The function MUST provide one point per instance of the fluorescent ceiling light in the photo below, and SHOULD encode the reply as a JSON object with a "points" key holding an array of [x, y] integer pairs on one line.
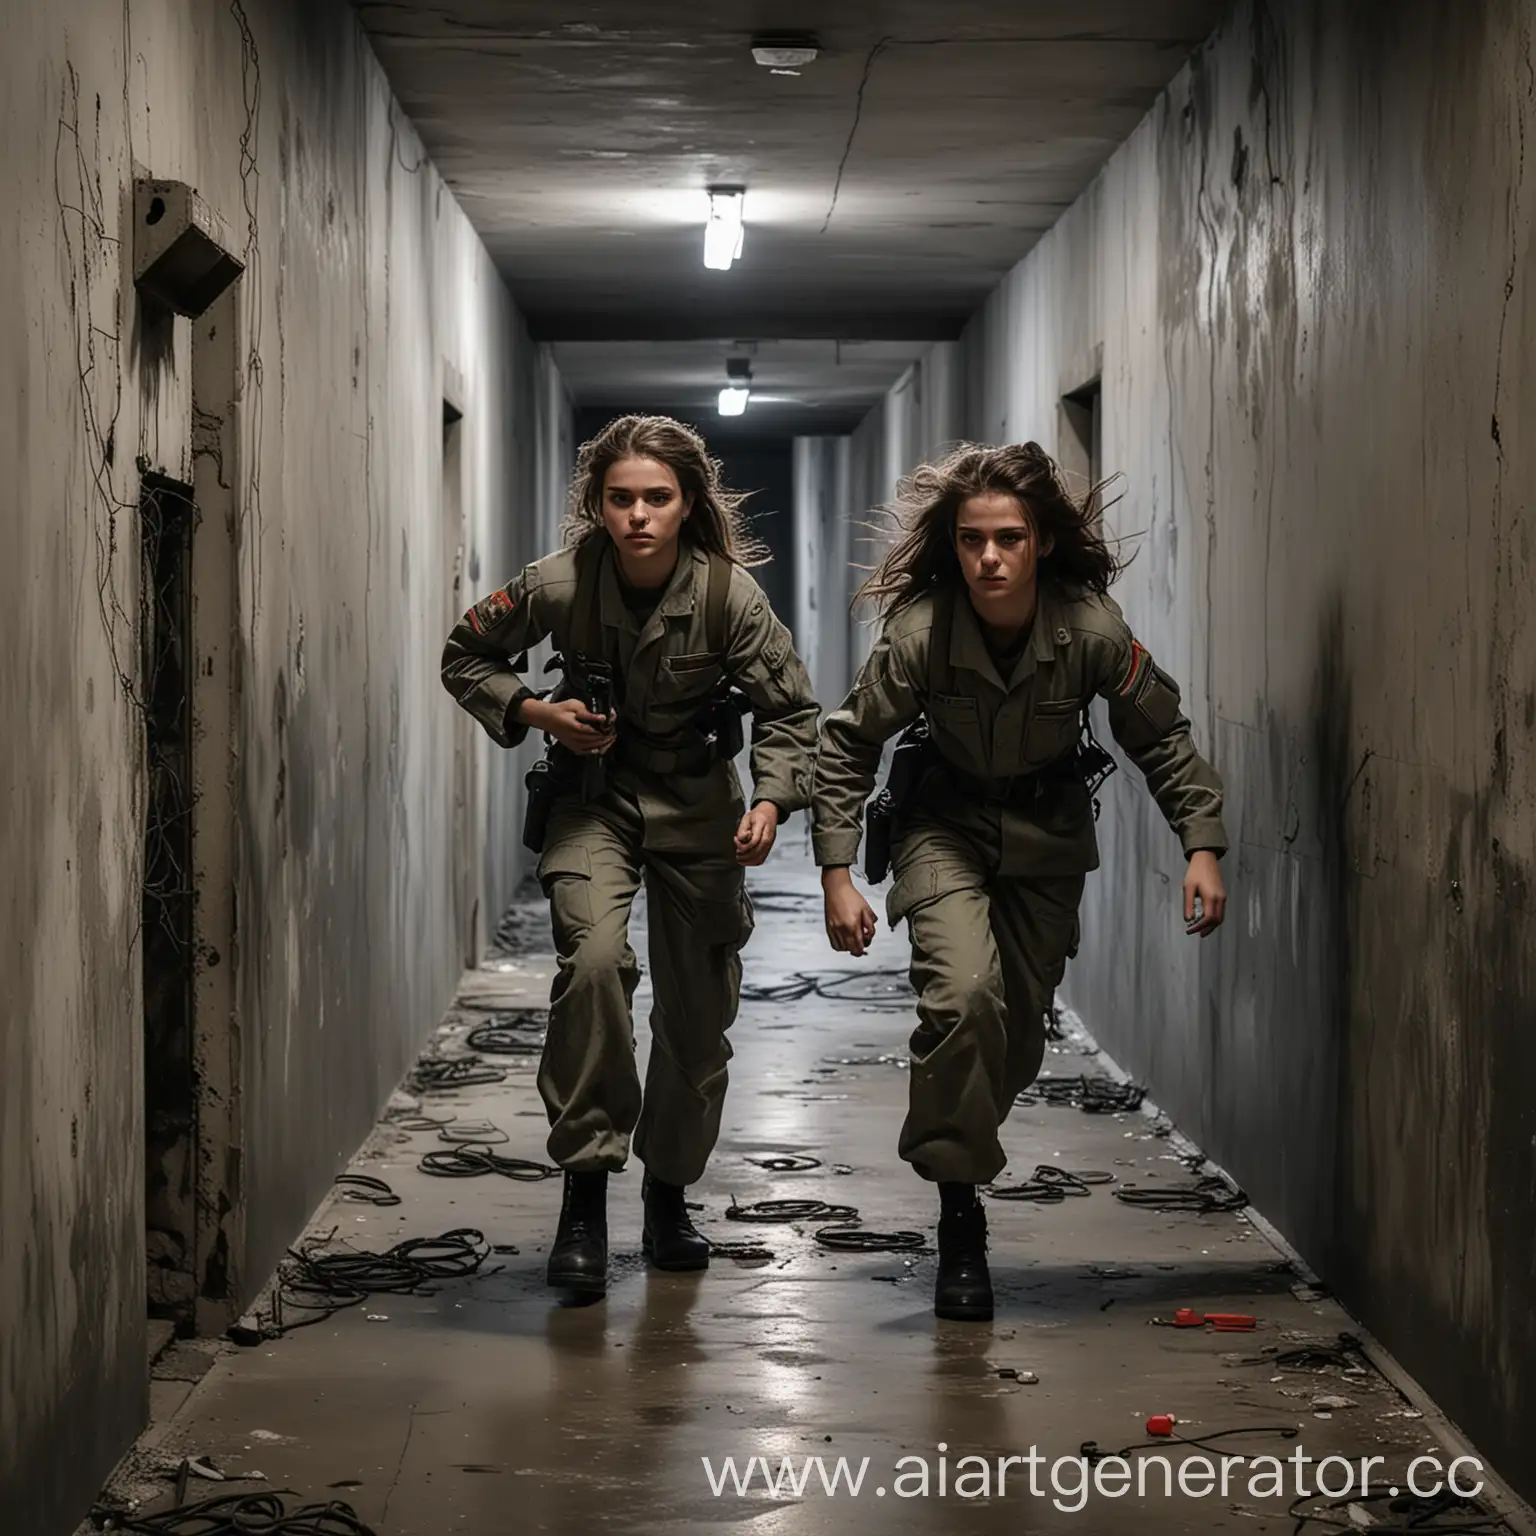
{"points": [[778, 51], [724, 232], [778, 59], [733, 401]]}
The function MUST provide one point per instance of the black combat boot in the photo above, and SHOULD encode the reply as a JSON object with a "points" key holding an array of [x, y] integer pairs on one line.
{"points": [[964, 1289], [670, 1238], [579, 1259]]}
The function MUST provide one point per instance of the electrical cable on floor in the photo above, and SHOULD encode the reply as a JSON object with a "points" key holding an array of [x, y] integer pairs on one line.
{"points": [[512, 1034], [1050, 1185], [1092, 1454], [1207, 1197], [481, 1132], [786, 1162], [790, 1210], [882, 989], [238, 1514], [1092, 1095], [411, 1121], [322, 1284], [1317, 1355], [1395, 1513], [469, 1162], [364, 1189], [437, 1073], [866, 1240]]}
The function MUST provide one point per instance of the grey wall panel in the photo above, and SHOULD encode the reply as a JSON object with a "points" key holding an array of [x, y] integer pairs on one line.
{"points": [[1306, 286], [365, 294]]}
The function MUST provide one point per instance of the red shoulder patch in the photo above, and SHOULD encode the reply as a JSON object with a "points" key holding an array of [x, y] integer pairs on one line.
{"points": [[491, 610], [1139, 660]]}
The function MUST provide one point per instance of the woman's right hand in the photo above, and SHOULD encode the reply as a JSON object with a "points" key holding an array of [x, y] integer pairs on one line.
{"points": [[572, 724], [851, 921]]}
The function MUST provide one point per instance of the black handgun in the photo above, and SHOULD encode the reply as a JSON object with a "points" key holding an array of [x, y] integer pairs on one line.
{"points": [[560, 771], [908, 760]]}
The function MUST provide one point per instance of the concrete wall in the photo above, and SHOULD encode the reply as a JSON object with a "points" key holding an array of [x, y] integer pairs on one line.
{"points": [[1306, 282], [367, 300], [838, 481]]}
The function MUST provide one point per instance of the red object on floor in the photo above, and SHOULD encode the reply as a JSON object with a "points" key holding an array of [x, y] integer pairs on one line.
{"points": [[1187, 1317], [1160, 1424], [1231, 1322]]}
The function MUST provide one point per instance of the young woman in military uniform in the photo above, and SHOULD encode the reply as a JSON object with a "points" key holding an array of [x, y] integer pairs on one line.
{"points": [[652, 583], [998, 630]]}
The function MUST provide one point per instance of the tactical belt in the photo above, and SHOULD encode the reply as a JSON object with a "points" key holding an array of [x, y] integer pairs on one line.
{"points": [[690, 762], [1017, 789]]}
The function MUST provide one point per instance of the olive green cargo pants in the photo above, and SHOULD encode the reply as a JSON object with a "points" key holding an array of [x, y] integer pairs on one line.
{"points": [[699, 917], [988, 953]]}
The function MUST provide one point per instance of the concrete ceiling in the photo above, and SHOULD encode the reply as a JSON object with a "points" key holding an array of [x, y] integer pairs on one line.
{"points": [[890, 184], [799, 387]]}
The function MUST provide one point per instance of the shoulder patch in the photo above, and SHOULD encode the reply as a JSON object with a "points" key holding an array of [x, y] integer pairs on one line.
{"points": [[1138, 665], [491, 610]]}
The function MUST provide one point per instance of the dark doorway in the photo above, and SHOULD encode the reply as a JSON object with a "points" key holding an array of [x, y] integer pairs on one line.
{"points": [[1082, 441], [167, 513], [466, 917]]}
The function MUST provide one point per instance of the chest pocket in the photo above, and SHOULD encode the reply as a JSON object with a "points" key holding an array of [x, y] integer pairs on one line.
{"points": [[956, 717], [1052, 730], [688, 679]]}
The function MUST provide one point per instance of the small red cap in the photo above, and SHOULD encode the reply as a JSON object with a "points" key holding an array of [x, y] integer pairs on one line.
{"points": [[1160, 1424], [1187, 1317]]}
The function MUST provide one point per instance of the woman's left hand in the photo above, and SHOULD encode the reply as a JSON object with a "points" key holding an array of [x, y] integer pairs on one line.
{"points": [[755, 835], [1202, 883]]}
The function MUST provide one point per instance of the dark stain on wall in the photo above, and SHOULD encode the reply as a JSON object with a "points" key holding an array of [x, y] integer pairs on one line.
{"points": [[1344, 231]]}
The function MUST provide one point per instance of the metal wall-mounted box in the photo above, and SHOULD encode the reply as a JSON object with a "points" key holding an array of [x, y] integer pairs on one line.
{"points": [[182, 253]]}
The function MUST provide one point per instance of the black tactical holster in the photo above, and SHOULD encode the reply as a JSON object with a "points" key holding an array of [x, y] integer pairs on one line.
{"points": [[1087, 764], [913, 753], [560, 771]]}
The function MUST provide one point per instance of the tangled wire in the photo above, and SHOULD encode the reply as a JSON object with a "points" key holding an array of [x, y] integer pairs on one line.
{"points": [[790, 1210], [866, 1240], [471, 1160], [440, 1074], [1050, 1185], [1347, 1354], [519, 1033], [237, 1514], [1206, 1197], [320, 1285], [364, 1189], [885, 989], [1092, 1095], [481, 1132]]}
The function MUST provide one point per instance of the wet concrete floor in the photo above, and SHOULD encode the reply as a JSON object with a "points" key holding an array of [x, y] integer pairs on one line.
{"points": [[487, 1406]]}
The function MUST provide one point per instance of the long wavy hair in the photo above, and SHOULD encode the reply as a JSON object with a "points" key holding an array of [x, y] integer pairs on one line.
{"points": [[716, 523], [923, 558]]}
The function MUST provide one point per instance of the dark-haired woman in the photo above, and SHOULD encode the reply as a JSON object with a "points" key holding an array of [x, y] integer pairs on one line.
{"points": [[651, 586], [998, 630]]}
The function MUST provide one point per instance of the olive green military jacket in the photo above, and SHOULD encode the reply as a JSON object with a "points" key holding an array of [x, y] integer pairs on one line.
{"points": [[993, 727], [664, 675]]}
